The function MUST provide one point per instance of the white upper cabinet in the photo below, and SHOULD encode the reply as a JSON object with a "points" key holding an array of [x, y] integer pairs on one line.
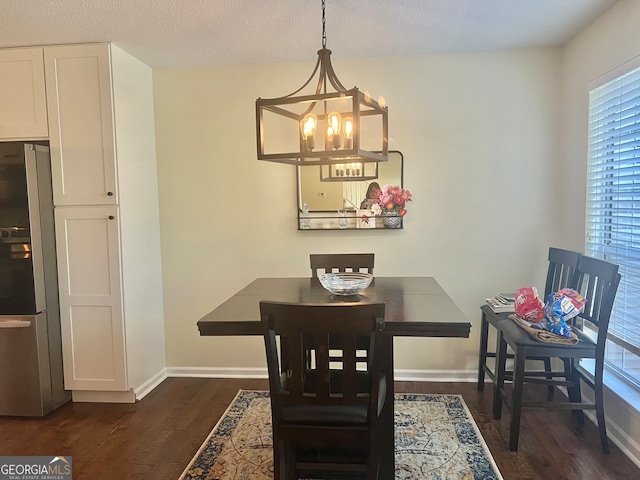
{"points": [[81, 124], [23, 108]]}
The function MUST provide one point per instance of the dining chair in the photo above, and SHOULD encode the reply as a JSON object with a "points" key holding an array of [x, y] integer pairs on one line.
{"points": [[341, 262], [561, 273], [325, 416], [597, 282]]}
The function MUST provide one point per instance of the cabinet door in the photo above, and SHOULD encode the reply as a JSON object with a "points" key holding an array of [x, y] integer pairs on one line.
{"points": [[90, 298], [78, 79], [23, 108]]}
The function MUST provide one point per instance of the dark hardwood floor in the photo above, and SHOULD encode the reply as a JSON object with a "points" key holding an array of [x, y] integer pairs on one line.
{"points": [[157, 437]]}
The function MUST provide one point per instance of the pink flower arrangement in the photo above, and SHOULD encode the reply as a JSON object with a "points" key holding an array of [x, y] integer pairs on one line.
{"points": [[391, 200]]}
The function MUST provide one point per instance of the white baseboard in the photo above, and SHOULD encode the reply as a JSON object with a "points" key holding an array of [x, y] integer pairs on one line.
{"points": [[615, 432], [217, 372], [412, 375], [142, 390], [96, 396], [129, 396], [400, 375], [621, 438]]}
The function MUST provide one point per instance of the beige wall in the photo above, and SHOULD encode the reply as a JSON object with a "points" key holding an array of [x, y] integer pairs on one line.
{"points": [[479, 133]]}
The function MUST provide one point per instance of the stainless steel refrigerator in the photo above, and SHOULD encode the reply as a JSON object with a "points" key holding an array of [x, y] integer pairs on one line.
{"points": [[31, 375]]}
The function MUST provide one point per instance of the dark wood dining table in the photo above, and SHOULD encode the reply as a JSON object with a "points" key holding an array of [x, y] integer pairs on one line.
{"points": [[415, 307]]}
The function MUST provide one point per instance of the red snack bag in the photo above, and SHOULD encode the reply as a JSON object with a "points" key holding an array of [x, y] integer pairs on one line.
{"points": [[528, 305]]}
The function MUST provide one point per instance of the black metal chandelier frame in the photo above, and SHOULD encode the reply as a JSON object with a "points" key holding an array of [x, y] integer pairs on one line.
{"points": [[364, 113]]}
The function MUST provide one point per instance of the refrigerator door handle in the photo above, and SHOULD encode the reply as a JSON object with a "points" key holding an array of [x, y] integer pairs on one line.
{"points": [[15, 323]]}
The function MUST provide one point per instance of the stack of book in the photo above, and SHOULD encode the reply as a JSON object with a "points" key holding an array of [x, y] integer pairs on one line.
{"points": [[503, 302]]}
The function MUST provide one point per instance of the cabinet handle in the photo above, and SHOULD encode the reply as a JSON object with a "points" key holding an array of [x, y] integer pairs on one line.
{"points": [[110, 194], [111, 217]]}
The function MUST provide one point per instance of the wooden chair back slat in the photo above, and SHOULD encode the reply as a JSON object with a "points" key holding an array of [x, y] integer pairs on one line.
{"points": [[341, 262], [349, 365], [597, 282], [321, 357], [562, 270], [296, 372]]}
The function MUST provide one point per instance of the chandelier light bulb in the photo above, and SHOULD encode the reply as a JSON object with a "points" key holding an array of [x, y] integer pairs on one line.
{"points": [[308, 128], [334, 120], [348, 133]]}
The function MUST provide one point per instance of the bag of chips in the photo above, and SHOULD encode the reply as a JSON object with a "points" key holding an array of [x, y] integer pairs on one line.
{"points": [[560, 307], [528, 305]]}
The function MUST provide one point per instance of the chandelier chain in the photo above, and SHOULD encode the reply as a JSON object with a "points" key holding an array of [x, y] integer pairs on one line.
{"points": [[324, 32]]}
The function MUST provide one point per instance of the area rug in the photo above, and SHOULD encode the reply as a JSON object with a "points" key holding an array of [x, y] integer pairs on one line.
{"points": [[435, 435]]}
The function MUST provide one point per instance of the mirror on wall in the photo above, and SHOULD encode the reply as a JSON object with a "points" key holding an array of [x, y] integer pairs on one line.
{"points": [[328, 201]]}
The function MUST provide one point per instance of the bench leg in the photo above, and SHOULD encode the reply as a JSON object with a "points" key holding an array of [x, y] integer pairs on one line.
{"points": [[501, 360], [482, 361], [516, 399]]}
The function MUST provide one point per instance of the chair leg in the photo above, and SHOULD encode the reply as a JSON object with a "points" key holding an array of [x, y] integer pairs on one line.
{"points": [[573, 390], [277, 460], [283, 461], [516, 398], [484, 340], [372, 469], [547, 368], [373, 456], [290, 464], [599, 400], [501, 360]]}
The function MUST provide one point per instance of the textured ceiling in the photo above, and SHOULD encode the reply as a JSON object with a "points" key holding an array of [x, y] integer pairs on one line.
{"points": [[165, 33]]}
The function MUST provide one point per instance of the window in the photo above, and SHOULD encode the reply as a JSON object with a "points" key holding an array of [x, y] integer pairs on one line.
{"points": [[613, 208]]}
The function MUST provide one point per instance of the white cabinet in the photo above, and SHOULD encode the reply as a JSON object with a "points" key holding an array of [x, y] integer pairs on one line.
{"points": [[79, 86], [23, 109], [90, 297], [100, 106], [94, 103]]}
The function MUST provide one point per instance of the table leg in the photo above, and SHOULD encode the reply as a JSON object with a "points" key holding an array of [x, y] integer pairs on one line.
{"points": [[387, 433]]}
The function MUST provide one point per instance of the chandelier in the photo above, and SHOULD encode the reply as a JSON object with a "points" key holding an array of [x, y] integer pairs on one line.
{"points": [[328, 125]]}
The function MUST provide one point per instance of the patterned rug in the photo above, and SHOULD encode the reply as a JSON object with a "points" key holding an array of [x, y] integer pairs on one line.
{"points": [[436, 439]]}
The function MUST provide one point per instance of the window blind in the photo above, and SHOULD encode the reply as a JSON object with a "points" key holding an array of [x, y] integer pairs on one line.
{"points": [[613, 206]]}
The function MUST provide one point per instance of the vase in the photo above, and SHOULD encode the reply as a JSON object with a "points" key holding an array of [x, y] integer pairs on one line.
{"points": [[391, 220], [305, 220]]}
